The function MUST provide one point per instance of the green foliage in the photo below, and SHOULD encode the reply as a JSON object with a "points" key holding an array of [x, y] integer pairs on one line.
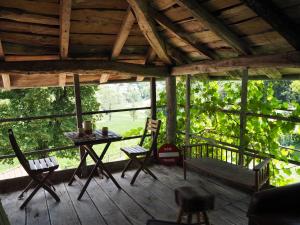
{"points": [[207, 119], [41, 134]]}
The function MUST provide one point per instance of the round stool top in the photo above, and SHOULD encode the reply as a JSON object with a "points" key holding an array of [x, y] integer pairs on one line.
{"points": [[192, 200]]}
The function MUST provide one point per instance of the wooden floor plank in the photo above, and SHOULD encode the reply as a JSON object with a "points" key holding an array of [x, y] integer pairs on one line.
{"points": [[85, 207], [104, 204], [11, 205], [176, 180], [149, 201], [37, 210], [110, 212], [156, 187], [63, 212], [223, 191], [125, 203]]}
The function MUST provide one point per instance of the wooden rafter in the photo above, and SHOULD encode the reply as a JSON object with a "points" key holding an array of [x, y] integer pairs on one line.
{"points": [[123, 34], [65, 22], [274, 16], [181, 34], [150, 56], [104, 78], [215, 25], [147, 26], [148, 61], [289, 60], [82, 67], [6, 81], [1, 51], [221, 30]]}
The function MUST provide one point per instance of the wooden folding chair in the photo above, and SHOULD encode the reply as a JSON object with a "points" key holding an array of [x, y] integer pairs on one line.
{"points": [[39, 170], [140, 154]]}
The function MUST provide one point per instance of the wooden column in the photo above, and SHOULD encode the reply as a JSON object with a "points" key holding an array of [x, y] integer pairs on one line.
{"points": [[187, 109], [171, 109], [79, 117], [243, 115], [153, 107]]}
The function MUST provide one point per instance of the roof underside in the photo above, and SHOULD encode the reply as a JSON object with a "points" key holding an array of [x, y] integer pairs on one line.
{"points": [[32, 30]]}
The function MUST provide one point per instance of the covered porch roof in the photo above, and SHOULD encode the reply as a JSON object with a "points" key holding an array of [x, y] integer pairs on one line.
{"points": [[119, 40]]}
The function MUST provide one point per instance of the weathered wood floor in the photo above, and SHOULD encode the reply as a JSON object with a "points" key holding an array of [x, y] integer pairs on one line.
{"points": [[105, 204]]}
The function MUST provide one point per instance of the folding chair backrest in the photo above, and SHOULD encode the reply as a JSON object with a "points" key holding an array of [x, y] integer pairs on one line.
{"points": [[152, 127], [22, 159]]}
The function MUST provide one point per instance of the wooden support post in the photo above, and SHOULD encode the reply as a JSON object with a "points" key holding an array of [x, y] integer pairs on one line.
{"points": [[79, 117], [187, 109], [243, 116], [153, 108], [171, 109]]}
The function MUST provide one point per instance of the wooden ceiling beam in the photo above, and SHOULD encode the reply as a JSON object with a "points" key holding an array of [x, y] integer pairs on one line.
{"points": [[215, 25], [289, 60], [123, 34], [6, 81], [65, 23], [83, 67], [183, 35], [24, 58], [148, 27], [279, 22]]}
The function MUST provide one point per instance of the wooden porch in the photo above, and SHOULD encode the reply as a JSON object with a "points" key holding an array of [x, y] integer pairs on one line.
{"points": [[105, 204]]}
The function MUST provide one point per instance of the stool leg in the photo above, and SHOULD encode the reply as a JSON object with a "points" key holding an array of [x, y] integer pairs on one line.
{"points": [[206, 220], [199, 218], [179, 217], [190, 216]]}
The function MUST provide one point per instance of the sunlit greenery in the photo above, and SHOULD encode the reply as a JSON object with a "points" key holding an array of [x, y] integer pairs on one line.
{"points": [[209, 100], [265, 135]]}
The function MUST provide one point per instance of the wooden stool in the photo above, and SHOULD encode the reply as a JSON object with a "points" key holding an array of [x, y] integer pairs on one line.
{"points": [[192, 202]]}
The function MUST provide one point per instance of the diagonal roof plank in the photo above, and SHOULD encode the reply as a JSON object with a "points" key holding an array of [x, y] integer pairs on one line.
{"points": [[65, 23], [147, 26], [151, 55], [216, 26], [279, 22], [185, 37], [123, 34], [181, 34]]}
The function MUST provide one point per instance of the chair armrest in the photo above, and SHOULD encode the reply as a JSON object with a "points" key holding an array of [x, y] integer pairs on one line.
{"points": [[282, 199], [262, 165]]}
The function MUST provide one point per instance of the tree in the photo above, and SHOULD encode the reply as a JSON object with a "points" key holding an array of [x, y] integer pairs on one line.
{"points": [[208, 98], [41, 134]]}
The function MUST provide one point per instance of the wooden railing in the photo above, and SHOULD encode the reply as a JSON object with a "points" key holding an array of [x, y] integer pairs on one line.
{"points": [[252, 161]]}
